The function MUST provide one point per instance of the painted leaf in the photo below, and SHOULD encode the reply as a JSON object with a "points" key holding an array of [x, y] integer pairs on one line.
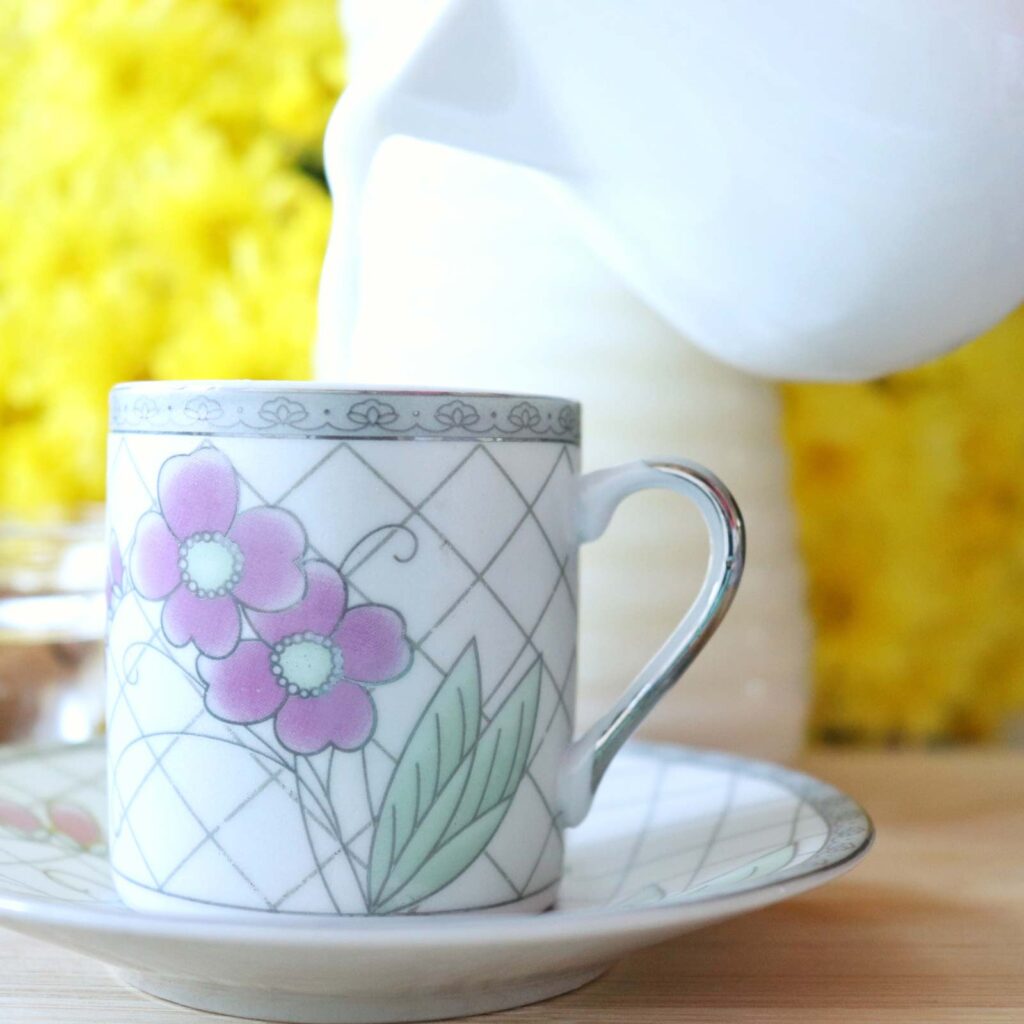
{"points": [[437, 748], [427, 837], [500, 756], [448, 861], [470, 807], [767, 864]]}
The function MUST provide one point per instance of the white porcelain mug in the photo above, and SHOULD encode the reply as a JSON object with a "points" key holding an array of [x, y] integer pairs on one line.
{"points": [[341, 654], [805, 189]]}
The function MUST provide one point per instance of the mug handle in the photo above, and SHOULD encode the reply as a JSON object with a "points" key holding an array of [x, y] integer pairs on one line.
{"points": [[600, 494]]}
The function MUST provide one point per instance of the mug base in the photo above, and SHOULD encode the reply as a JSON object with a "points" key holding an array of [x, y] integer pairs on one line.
{"points": [[146, 901]]}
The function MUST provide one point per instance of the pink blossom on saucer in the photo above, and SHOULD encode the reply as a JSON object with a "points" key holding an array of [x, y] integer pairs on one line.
{"points": [[76, 823], [18, 817]]}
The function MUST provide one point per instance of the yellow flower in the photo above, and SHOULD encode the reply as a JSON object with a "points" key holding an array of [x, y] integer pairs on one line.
{"points": [[910, 498], [157, 218]]}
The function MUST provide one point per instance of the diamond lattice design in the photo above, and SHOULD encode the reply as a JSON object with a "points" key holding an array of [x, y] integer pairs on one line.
{"points": [[476, 543]]}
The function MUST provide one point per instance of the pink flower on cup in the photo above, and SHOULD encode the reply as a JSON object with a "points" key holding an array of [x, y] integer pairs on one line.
{"points": [[311, 667], [204, 558]]}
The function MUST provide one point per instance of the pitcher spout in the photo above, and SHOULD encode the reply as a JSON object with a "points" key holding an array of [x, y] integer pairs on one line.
{"points": [[471, 85]]}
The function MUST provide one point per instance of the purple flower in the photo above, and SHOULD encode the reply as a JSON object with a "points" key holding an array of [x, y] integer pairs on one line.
{"points": [[206, 558], [310, 668]]}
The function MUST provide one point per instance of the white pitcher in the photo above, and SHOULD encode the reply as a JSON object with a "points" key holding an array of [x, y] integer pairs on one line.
{"points": [[473, 274], [806, 189]]}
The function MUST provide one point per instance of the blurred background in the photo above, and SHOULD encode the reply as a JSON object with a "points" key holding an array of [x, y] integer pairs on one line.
{"points": [[164, 214]]}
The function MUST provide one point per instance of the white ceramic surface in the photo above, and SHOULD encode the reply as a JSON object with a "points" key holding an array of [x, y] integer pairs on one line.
{"points": [[341, 655], [806, 189], [677, 839], [492, 286]]}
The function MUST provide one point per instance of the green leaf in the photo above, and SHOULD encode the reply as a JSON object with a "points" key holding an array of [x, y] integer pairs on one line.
{"points": [[500, 755], [448, 862], [426, 839], [437, 748], [767, 864], [468, 809]]}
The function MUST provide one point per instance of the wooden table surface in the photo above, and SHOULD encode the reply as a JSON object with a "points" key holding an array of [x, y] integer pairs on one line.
{"points": [[930, 928]]}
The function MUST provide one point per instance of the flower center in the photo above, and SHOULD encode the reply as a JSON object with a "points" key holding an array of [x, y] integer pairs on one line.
{"points": [[210, 564], [306, 664]]}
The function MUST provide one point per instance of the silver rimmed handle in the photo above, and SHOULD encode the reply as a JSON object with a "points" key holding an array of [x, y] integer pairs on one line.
{"points": [[601, 492]]}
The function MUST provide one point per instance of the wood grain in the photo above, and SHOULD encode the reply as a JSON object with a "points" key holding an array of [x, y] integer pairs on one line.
{"points": [[929, 928]]}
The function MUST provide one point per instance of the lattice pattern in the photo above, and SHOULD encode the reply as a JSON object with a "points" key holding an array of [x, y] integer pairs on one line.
{"points": [[479, 544]]}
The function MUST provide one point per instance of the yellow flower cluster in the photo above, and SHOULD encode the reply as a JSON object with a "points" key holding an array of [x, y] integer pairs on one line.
{"points": [[160, 216], [156, 219], [910, 495]]}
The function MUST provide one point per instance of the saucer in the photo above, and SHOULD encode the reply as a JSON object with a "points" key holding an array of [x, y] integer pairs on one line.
{"points": [[677, 839]]}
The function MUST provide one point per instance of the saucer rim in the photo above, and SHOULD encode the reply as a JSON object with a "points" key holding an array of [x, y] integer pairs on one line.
{"points": [[299, 929]]}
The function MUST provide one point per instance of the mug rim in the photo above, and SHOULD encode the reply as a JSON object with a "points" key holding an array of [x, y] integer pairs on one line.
{"points": [[307, 387], [344, 412]]}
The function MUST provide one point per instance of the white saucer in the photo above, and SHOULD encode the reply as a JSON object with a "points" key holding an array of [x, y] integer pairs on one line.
{"points": [[677, 839]]}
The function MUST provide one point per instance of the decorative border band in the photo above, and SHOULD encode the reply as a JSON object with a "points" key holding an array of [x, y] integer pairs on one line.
{"points": [[340, 413]]}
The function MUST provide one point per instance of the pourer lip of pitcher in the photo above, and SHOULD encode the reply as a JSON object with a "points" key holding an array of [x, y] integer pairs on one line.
{"points": [[321, 409]]}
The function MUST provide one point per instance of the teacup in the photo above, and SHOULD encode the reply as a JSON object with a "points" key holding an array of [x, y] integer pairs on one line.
{"points": [[342, 649]]}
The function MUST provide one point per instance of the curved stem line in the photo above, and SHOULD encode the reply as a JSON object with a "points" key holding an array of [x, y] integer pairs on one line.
{"points": [[325, 785], [392, 530], [312, 845]]}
